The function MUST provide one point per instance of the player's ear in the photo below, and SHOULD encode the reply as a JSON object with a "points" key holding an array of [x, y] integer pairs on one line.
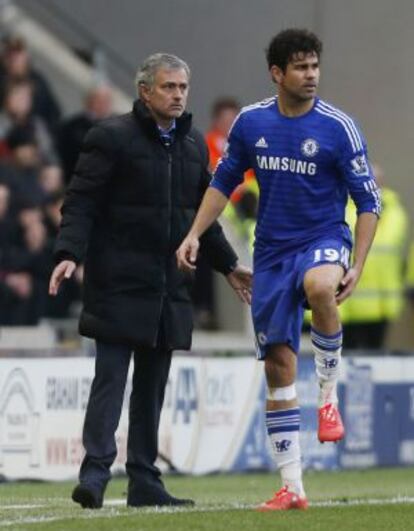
{"points": [[276, 73], [143, 92]]}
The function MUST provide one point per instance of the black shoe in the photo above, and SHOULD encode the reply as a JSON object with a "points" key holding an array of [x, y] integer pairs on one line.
{"points": [[159, 498], [87, 497]]}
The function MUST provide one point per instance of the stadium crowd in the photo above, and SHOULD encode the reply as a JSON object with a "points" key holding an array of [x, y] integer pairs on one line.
{"points": [[35, 162], [38, 152]]}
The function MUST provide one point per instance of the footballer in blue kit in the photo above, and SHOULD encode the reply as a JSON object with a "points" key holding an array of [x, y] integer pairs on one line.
{"points": [[308, 156], [305, 167]]}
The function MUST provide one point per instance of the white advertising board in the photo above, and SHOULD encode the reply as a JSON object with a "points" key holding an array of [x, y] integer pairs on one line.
{"points": [[42, 405], [207, 409]]}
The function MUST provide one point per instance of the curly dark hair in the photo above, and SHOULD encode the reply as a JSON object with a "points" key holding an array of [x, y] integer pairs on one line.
{"points": [[289, 42]]}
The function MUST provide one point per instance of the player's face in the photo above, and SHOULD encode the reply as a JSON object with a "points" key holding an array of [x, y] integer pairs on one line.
{"points": [[167, 96], [301, 78]]}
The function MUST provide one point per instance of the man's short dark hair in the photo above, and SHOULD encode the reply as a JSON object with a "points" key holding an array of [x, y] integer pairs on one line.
{"points": [[290, 42], [224, 103], [13, 43]]}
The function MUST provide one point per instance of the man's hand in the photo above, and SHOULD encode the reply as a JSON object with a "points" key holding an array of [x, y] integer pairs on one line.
{"points": [[348, 284], [187, 253], [241, 281], [63, 270]]}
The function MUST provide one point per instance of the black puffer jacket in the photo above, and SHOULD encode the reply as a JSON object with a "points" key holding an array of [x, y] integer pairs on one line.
{"points": [[129, 205]]}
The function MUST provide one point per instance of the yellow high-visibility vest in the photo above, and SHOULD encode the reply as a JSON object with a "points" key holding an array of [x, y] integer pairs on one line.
{"points": [[245, 227], [410, 269], [379, 293]]}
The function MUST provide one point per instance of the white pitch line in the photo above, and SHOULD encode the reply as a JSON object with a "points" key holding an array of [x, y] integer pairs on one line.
{"points": [[33, 520], [32, 506], [116, 503], [362, 501], [108, 503], [113, 513]]}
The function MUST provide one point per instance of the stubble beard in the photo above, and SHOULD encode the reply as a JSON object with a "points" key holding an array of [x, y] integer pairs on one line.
{"points": [[299, 97]]}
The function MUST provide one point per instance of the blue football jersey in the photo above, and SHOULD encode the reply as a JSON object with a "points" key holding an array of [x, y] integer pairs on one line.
{"points": [[305, 167]]}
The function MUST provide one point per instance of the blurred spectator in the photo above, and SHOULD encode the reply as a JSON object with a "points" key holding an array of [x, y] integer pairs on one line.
{"points": [[24, 149], [223, 114], [39, 250], [26, 261], [40, 261], [16, 296], [378, 298], [22, 172], [16, 282], [30, 214], [246, 211], [51, 179], [8, 224], [69, 294], [31, 194], [98, 105], [4, 201], [53, 215], [241, 210], [17, 111], [15, 66]]}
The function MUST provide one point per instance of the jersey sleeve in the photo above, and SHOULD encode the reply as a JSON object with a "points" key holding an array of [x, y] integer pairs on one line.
{"points": [[356, 170], [234, 162]]}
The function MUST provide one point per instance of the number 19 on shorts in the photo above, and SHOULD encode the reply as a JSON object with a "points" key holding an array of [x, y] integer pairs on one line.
{"points": [[333, 256]]}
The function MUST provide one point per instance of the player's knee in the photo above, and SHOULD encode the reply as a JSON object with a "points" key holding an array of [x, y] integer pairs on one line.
{"points": [[320, 292]]}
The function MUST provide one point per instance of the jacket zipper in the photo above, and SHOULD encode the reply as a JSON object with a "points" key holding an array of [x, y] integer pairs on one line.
{"points": [[169, 211], [169, 197]]}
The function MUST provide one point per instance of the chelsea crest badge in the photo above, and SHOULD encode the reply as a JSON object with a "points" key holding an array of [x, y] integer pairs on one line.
{"points": [[309, 147]]}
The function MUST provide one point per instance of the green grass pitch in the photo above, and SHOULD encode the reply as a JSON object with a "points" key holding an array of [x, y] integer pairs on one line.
{"points": [[365, 500]]}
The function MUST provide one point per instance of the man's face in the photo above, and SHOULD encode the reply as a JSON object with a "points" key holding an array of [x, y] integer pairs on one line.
{"points": [[167, 97], [301, 78], [224, 120], [100, 102], [51, 179]]}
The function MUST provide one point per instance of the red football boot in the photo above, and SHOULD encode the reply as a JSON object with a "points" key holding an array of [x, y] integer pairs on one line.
{"points": [[331, 428], [284, 500]]}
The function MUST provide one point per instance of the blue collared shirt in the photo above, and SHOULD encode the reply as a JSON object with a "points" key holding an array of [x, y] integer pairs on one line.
{"points": [[167, 135]]}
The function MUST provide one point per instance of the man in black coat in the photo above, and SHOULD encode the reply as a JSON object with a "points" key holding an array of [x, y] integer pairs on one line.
{"points": [[132, 199]]}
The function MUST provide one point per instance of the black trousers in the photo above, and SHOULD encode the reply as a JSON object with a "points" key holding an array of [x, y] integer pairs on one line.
{"points": [[151, 368]]}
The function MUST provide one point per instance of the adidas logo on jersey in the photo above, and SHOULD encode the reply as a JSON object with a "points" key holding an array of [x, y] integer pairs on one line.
{"points": [[262, 143]]}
